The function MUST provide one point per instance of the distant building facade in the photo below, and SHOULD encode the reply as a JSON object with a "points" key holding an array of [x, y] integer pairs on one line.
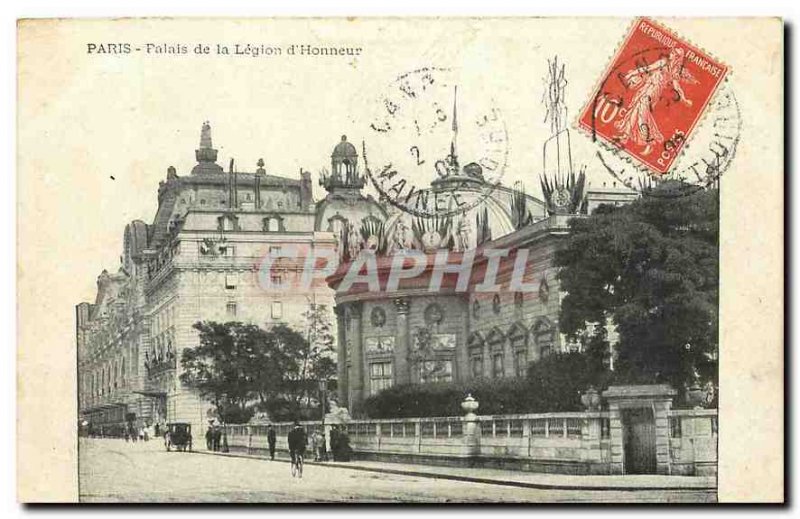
{"points": [[200, 259]]}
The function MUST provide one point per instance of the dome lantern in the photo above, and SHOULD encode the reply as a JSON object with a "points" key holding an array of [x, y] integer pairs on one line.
{"points": [[344, 167]]}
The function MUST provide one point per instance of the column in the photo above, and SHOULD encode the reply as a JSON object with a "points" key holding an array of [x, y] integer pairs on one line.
{"points": [[661, 409], [402, 374], [616, 441], [356, 376], [462, 368], [341, 356]]}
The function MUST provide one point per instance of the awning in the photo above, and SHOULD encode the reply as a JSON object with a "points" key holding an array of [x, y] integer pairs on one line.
{"points": [[152, 394], [104, 407]]}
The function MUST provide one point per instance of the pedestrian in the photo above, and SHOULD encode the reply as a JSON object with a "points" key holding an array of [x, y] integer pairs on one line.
{"points": [[312, 440], [217, 438], [271, 441], [344, 446], [209, 438], [323, 448], [319, 445], [335, 442]]}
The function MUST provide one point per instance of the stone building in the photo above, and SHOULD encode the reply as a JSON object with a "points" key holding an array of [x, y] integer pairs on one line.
{"points": [[201, 259], [411, 334]]}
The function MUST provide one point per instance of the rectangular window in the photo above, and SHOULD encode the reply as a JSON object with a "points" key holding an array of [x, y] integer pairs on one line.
{"points": [[521, 362], [380, 376], [276, 279], [230, 309], [277, 310], [274, 250], [228, 251], [497, 365], [231, 280]]}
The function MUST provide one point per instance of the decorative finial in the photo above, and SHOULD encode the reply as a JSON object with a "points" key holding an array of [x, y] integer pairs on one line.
{"points": [[344, 138], [454, 142], [260, 165], [205, 136]]}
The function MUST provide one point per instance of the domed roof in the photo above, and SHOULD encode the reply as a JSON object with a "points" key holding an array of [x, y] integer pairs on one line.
{"points": [[344, 149]]}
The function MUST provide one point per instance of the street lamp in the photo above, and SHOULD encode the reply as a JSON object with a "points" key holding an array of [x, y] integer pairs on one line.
{"points": [[323, 399]]}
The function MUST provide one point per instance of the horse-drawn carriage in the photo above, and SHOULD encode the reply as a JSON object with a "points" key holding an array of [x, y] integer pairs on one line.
{"points": [[178, 435]]}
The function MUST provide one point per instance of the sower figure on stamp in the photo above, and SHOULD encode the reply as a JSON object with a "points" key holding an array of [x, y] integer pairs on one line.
{"points": [[650, 82], [271, 441]]}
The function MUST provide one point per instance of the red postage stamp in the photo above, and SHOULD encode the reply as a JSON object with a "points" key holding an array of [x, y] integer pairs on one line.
{"points": [[652, 95]]}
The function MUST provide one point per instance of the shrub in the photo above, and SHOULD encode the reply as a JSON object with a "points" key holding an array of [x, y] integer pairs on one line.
{"points": [[553, 384]]}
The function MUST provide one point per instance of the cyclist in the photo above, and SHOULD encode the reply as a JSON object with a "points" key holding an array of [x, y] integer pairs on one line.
{"points": [[297, 448]]}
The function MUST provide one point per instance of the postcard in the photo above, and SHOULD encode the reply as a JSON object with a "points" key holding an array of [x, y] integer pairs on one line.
{"points": [[400, 260]]}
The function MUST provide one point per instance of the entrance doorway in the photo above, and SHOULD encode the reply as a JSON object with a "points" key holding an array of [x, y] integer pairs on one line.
{"points": [[639, 440]]}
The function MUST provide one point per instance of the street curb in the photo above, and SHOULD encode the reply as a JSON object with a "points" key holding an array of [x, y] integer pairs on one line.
{"points": [[471, 479]]}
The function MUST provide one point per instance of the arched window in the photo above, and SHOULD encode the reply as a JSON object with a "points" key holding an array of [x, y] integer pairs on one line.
{"points": [[475, 346], [518, 339], [228, 222], [496, 341], [274, 223], [543, 336]]}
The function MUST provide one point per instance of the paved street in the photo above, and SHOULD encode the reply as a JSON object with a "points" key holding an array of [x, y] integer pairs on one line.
{"points": [[116, 471]]}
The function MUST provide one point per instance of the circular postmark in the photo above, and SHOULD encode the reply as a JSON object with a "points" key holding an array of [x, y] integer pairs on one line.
{"points": [[435, 148], [659, 121]]}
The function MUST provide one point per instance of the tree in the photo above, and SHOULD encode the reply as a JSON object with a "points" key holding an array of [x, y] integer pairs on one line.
{"points": [[220, 367], [317, 358], [651, 267], [240, 366]]}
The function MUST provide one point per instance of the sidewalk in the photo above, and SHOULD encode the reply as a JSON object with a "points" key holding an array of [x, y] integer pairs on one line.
{"points": [[514, 478]]}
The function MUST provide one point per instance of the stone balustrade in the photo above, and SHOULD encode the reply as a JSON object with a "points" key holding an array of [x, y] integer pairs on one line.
{"points": [[570, 443]]}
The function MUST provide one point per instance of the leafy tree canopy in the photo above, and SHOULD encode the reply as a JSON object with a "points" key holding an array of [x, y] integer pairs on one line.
{"points": [[651, 268], [237, 364]]}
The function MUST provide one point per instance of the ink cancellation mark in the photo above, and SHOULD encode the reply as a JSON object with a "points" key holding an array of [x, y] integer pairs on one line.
{"points": [[424, 129], [658, 93]]}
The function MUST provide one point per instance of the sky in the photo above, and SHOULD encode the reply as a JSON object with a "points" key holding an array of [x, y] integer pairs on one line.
{"points": [[93, 116]]}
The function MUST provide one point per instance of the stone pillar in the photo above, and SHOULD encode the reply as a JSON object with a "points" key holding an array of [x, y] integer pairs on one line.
{"points": [[617, 465], [402, 373], [356, 382], [591, 453], [472, 429], [341, 356], [661, 409]]}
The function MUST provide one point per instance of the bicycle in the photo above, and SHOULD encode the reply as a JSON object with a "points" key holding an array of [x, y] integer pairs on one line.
{"points": [[297, 465]]}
